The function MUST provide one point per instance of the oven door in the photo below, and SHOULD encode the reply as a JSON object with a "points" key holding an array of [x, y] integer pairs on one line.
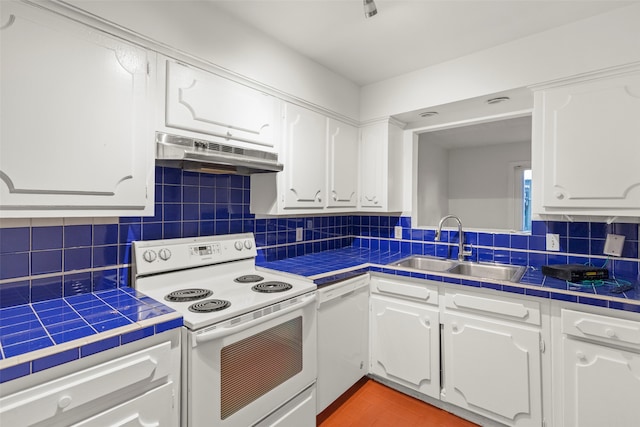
{"points": [[241, 370]]}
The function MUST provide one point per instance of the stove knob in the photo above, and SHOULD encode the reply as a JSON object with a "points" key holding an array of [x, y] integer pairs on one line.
{"points": [[238, 245], [149, 255], [164, 254], [248, 244]]}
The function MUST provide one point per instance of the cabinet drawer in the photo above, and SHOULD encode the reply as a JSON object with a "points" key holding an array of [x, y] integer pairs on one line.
{"points": [[154, 408], [601, 328], [57, 397], [414, 291], [523, 311]]}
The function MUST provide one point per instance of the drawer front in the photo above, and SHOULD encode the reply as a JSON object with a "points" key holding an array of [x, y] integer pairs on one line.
{"points": [[601, 328], [423, 293], [155, 408], [522, 311], [60, 396]]}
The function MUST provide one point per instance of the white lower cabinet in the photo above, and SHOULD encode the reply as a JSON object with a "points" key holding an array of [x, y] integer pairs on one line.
{"points": [[137, 384], [492, 357], [598, 371], [405, 334]]}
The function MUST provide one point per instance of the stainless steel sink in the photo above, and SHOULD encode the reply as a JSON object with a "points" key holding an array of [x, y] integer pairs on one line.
{"points": [[426, 263], [511, 273]]}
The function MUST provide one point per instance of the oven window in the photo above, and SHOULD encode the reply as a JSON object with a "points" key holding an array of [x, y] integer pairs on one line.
{"points": [[256, 365]]}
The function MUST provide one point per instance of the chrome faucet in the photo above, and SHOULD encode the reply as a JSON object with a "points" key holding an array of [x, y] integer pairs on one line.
{"points": [[461, 252]]}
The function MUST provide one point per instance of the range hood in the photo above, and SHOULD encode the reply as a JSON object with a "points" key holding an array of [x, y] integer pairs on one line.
{"points": [[212, 157]]}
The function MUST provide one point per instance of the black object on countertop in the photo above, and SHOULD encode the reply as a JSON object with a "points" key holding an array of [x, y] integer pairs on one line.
{"points": [[575, 272]]}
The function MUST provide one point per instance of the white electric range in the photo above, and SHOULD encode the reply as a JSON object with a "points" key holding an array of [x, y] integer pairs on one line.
{"points": [[249, 335]]}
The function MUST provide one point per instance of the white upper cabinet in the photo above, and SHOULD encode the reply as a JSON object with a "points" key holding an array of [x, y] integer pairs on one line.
{"points": [[76, 136], [303, 157], [219, 109], [342, 164], [380, 186], [586, 145], [320, 159]]}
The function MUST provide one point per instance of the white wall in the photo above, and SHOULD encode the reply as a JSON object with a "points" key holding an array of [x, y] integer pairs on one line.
{"points": [[598, 42], [197, 27], [433, 182], [470, 182], [479, 183]]}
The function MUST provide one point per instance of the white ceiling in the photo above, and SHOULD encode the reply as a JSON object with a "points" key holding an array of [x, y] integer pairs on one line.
{"points": [[405, 35], [490, 133]]}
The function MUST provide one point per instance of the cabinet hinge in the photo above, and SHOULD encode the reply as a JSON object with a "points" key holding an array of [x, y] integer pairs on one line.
{"points": [[542, 346], [148, 68]]}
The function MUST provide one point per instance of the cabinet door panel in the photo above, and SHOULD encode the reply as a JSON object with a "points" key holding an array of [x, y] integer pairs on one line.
{"points": [[601, 385], [342, 164], [493, 369], [203, 102], [592, 144], [405, 348], [75, 125], [304, 158], [373, 158]]}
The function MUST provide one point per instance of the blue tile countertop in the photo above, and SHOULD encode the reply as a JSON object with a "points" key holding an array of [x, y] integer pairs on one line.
{"points": [[330, 266], [41, 335]]}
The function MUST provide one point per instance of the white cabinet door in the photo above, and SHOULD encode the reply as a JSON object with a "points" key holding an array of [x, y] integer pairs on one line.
{"points": [[601, 385], [304, 158], [373, 166], [342, 164], [76, 135], [209, 104], [405, 344], [588, 140], [493, 368], [381, 165]]}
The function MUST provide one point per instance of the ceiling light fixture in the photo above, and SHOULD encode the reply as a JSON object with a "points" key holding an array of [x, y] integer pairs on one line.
{"points": [[428, 114], [497, 100], [370, 8]]}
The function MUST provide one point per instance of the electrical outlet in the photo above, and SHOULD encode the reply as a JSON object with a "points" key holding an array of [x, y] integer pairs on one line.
{"points": [[553, 242], [309, 223], [613, 245], [397, 232], [299, 231]]}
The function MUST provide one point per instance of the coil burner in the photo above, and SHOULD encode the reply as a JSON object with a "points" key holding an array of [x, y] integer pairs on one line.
{"points": [[248, 278], [270, 287], [209, 306], [184, 295]]}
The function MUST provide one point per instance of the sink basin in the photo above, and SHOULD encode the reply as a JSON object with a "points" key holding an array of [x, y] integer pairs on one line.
{"points": [[509, 273], [489, 271], [426, 263]]}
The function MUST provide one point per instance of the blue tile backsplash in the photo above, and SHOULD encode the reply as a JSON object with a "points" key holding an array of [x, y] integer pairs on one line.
{"points": [[42, 263]]}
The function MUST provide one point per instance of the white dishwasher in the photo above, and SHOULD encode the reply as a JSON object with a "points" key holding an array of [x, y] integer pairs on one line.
{"points": [[343, 337]]}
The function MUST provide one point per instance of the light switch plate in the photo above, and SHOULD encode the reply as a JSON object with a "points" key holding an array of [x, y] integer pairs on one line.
{"points": [[613, 245], [397, 232], [298, 234], [553, 242]]}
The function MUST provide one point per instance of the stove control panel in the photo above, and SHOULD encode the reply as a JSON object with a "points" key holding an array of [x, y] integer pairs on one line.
{"points": [[173, 254]]}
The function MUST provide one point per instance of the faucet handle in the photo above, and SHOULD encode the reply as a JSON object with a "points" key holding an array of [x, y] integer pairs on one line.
{"points": [[467, 252]]}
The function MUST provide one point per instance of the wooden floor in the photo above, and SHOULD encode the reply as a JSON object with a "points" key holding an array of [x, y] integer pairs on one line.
{"points": [[372, 404]]}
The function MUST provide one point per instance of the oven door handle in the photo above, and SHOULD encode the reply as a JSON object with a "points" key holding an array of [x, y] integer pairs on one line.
{"points": [[232, 329]]}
